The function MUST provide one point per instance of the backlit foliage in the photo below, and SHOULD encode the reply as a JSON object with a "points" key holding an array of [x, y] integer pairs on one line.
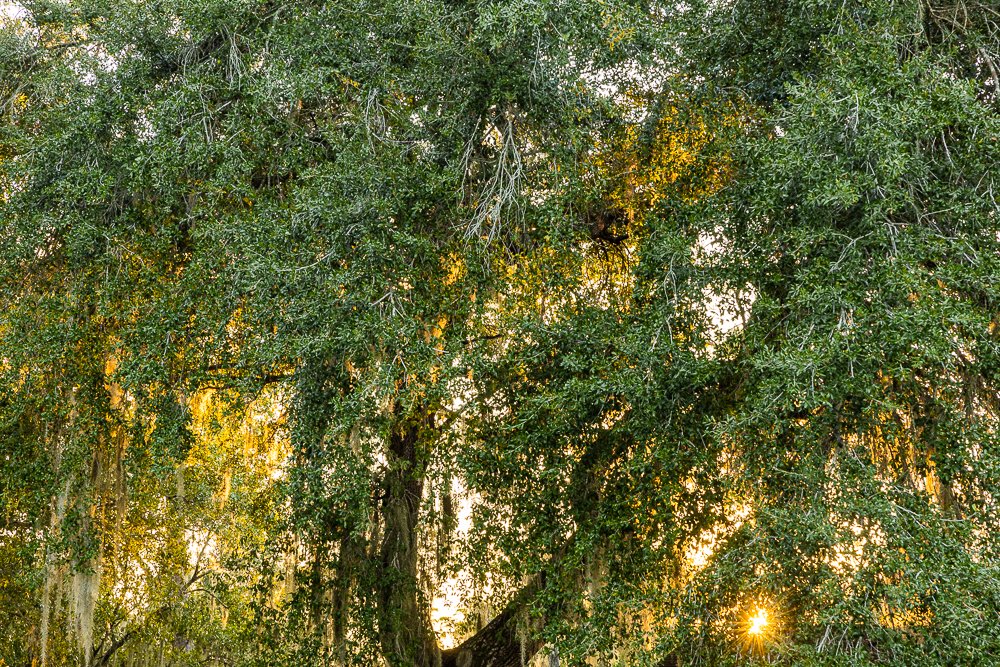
{"points": [[438, 333]]}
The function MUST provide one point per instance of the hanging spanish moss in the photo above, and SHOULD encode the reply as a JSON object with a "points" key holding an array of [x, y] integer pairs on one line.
{"points": [[53, 571], [84, 592]]}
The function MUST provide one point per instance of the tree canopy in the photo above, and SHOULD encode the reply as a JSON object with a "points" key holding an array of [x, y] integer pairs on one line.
{"points": [[453, 333]]}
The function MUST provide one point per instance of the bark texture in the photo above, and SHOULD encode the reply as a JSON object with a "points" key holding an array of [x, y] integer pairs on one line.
{"points": [[405, 631], [509, 640]]}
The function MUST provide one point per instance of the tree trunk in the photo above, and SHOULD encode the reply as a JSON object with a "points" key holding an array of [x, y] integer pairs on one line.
{"points": [[406, 636], [405, 631]]}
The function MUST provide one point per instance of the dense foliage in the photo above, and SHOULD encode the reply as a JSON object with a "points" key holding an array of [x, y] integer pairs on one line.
{"points": [[474, 333]]}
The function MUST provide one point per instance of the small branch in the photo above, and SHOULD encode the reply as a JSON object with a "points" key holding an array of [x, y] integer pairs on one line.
{"points": [[477, 339]]}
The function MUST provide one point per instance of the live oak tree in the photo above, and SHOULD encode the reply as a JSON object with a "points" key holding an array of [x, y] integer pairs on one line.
{"points": [[634, 321]]}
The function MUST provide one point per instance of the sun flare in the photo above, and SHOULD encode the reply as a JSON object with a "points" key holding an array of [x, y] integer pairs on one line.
{"points": [[758, 623]]}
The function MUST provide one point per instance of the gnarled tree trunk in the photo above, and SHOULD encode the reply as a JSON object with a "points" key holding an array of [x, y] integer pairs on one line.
{"points": [[404, 630]]}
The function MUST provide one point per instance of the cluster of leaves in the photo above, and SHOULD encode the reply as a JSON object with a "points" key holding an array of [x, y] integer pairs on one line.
{"points": [[688, 309]]}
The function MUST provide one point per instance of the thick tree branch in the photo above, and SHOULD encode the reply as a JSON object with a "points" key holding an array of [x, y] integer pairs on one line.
{"points": [[509, 640]]}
